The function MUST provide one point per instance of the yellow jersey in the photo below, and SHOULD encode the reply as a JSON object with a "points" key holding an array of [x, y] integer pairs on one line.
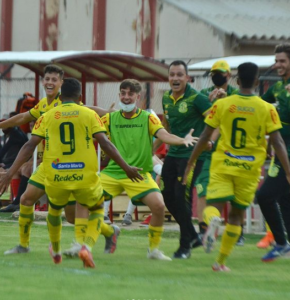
{"points": [[243, 122], [43, 106], [69, 159]]}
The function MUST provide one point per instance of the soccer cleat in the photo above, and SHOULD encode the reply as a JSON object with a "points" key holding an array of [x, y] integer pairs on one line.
{"points": [[74, 250], [107, 220], [56, 257], [86, 256], [211, 234], [197, 242], [111, 242], [220, 268], [146, 222], [17, 250], [10, 208], [266, 241], [157, 254], [277, 252], [241, 241], [127, 220], [182, 253]]}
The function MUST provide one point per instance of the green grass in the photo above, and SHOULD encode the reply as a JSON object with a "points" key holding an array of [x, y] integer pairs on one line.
{"points": [[128, 274]]}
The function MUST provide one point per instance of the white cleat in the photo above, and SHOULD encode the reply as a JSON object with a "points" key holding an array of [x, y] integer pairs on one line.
{"points": [[211, 234], [157, 254], [73, 251]]}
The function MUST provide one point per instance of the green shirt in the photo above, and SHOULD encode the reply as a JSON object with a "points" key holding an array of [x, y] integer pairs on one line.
{"points": [[279, 95], [230, 90], [133, 140], [182, 115]]}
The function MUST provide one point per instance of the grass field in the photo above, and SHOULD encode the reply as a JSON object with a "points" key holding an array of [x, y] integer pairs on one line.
{"points": [[128, 274]]}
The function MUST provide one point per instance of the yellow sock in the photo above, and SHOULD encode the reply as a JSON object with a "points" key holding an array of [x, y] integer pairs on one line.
{"points": [[81, 225], [268, 228], [54, 228], [229, 239], [106, 230], [154, 235], [26, 217], [96, 218], [210, 212]]}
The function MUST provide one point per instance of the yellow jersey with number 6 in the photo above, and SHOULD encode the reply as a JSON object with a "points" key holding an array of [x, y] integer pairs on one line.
{"points": [[243, 122], [69, 159]]}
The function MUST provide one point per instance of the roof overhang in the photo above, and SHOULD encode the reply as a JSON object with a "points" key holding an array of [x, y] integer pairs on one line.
{"points": [[91, 66], [263, 62]]}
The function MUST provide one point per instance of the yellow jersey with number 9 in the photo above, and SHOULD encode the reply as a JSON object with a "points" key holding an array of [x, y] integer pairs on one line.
{"points": [[243, 122], [69, 159]]}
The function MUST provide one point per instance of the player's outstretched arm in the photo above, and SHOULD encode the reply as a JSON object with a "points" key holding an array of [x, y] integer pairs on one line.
{"points": [[280, 150], [113, 153], [101, 111], [24, 154], [17, 120], [171, 139], [199, 147]]}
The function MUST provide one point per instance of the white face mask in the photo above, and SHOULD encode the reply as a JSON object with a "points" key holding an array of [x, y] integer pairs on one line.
{"points": [[127, 107]]}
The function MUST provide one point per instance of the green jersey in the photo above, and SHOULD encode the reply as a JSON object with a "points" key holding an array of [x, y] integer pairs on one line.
{"points": [[185, 113], [279, 95], [133, 140]]}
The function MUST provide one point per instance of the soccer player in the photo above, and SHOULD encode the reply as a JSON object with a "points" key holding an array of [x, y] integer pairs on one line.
{"points": [[131, 130], [220, 74], [70, 165], [276, 188], [243, 119], [52, 81], [183, 108]]}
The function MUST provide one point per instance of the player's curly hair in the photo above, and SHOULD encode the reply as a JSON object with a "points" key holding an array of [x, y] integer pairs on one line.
{"points": [[132, 84], [283, 48]]}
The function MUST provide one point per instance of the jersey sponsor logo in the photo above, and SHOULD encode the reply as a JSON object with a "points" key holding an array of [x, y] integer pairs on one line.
{"points": [[274, 116], [129, 126], [70, 114], [57, 115], [212, 112], [74, 177], [239, 165], [242, 157], [67, 166], [182, 107], [242, 109]]}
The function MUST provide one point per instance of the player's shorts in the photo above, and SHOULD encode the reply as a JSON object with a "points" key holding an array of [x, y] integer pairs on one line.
{"points": [[89, 197], [238, 190], [135, 190], [203, 179], [37, 179]]}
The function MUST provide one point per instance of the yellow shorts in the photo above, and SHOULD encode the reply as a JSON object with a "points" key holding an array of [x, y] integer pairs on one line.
{"points": [[58, 198], [37, 179], [238, 190], [135, 190]]}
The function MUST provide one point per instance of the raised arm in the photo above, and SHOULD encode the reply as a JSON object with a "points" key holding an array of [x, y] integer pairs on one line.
{"points": [[171, 139], [113, 153], [101, 111], [17, 120]]}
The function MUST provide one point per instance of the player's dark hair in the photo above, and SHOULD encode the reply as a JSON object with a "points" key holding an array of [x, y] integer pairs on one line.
{"points": [[178, 63], [132, 84], [70, 89], [54, 69], [283, 48], [247, 74]]}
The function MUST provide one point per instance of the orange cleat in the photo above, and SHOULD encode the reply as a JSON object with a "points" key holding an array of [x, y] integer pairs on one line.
{"points": [[86, 256], [266, 241]]}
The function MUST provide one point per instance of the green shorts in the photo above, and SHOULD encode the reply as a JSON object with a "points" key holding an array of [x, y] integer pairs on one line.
{"points": [[203, 179]]}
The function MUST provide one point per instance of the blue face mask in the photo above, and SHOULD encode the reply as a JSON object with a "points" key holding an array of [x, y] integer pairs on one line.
{"points": [[127, 107]]}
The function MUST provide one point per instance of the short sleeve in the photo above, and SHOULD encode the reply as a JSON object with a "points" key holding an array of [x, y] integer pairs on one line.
{"points": [[154, 124], [39, 127], [202, 103], [273, 122], [212, 118], [97, 124]]}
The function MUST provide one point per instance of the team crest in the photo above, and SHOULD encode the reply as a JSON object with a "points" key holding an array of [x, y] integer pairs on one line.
{"points": [[183, 108]]}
